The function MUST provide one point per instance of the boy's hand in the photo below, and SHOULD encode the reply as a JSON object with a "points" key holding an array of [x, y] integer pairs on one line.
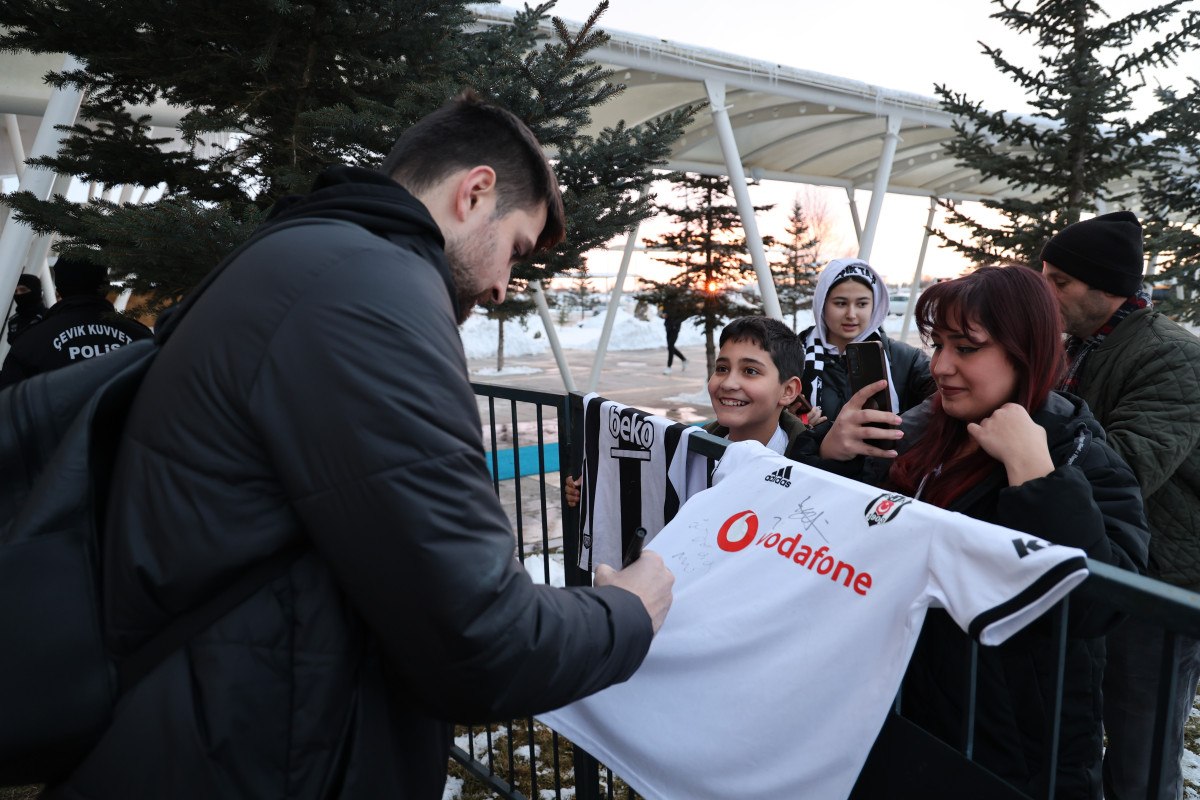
{"points": [[571, 490], [815, 417], [851, 430], [648, 578]]}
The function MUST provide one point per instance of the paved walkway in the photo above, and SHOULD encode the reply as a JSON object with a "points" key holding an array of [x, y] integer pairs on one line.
{"points": [[633, 377]]}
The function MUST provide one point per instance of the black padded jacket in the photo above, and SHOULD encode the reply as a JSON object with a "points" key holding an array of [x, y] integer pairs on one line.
{"points": [[1091, 501], [318, 391], [910, 371]]}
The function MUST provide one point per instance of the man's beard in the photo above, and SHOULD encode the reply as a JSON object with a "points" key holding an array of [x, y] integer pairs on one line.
{"points": [[463, 256]]}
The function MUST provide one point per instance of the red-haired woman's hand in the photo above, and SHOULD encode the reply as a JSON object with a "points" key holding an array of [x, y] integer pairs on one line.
{"points": [[1010, 436], [853, 427]]}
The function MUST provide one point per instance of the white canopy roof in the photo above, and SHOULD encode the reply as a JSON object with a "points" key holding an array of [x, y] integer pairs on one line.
{"points": [[789, 124]]}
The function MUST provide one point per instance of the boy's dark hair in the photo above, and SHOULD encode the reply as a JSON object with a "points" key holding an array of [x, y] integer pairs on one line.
{"points": [[773, 336], [467, 132]]}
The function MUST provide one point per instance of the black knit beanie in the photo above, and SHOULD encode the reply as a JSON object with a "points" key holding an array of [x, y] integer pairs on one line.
{"points": [[1104, 252]]}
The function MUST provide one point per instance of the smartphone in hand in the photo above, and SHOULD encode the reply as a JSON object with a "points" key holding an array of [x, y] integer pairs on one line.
{"points": [[866, 365], [864, 362]]}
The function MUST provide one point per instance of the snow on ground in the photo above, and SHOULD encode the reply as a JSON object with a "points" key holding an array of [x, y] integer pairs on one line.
{"points": [[492, 372], [1191, 772], [533, 565], [528, 337], [454, 787]]}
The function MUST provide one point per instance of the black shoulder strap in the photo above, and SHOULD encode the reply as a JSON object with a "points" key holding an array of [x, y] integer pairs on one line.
{"points": [[180, 630], [170, 318]]}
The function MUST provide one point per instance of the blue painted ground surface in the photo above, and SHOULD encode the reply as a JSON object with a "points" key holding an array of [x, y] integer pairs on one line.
{"points": [[528, 456]]}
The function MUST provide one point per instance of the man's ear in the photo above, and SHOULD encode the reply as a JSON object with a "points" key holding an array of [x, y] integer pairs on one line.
{"points": [[475, 192], [791, 390]]}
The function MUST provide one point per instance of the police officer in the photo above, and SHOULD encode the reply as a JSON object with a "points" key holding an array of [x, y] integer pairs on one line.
{"points": [[30, 308], [81, 325]]}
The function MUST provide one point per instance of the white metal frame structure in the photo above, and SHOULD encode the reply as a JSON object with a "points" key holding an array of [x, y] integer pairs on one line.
{"points": [[767, 121], [762, 120]]}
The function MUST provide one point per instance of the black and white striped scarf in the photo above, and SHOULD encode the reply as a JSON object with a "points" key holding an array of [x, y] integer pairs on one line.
{"points": [[816, 352]]}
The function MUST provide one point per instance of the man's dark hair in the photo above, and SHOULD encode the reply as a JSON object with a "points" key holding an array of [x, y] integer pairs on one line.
{"points": [[78, 276], [784, 346], [468, 132]]}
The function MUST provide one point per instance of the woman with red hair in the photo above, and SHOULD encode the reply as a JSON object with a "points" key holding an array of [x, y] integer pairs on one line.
{"points": [[998, 444]]}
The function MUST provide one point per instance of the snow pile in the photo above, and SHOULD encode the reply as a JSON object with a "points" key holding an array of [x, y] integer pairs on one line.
{"points": [[558, 576], [528, 337], [480, 334]]}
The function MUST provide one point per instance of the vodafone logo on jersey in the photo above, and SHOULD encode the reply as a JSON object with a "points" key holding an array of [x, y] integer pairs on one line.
{"points": [[740, 531]]}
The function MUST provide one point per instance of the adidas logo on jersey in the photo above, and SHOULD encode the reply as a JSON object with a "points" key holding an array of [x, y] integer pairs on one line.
{"points": [[782, 476]]}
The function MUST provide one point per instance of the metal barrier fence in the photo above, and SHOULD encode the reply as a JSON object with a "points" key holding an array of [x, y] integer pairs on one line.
{"points": [[534, 440]]}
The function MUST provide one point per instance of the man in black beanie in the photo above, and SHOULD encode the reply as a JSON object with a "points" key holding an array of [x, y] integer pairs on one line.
{"points": [[1140, 374], [81, 325], [30, 308]]}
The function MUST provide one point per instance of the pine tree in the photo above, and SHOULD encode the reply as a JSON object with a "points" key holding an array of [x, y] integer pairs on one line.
{"points": [[1171, 198], [709, 249], [581, 294], [796, 273], [515, 308], [1083, 84], [302, 85]]}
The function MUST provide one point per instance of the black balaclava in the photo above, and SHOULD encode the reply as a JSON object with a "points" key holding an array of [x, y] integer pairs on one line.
{"points": [[33, 298]]}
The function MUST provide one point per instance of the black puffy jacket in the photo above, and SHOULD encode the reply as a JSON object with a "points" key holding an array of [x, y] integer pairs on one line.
{"points": [[1090, 501], [910, 372], [318, 390]]}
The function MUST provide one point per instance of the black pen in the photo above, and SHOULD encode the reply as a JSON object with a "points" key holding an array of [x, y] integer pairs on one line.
{"points": [[634, 550]]}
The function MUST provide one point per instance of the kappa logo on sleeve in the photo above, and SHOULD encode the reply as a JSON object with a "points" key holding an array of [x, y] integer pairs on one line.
{"points": [[1025, 547], [885, 508], [782, 476]]}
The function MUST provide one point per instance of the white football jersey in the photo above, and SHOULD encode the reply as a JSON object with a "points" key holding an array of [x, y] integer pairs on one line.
{"points": [[799, 596]]}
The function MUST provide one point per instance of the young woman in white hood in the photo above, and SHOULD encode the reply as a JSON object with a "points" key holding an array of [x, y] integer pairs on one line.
{"points": [[850, 305]]}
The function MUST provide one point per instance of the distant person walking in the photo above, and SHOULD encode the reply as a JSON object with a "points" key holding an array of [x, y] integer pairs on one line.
{"points": [[81, 325], [30, 308], [673, 318]]}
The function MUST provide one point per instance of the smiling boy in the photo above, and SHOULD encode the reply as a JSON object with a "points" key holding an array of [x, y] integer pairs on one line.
{"points": [[755, 379]]}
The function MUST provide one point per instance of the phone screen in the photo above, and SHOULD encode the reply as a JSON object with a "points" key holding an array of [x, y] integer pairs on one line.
{"points": [[864, 362]]}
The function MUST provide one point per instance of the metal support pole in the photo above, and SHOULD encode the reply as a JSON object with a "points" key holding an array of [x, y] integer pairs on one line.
{"points": [[737, 180], [539, 298], [14, 141], [38, 264], [882, 173], [916, 281], [122, 301], [614, 304], [854, 214], [61, 109]]}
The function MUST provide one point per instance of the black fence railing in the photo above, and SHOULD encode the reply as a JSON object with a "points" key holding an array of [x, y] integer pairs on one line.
{"points": [[534, 440]]}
